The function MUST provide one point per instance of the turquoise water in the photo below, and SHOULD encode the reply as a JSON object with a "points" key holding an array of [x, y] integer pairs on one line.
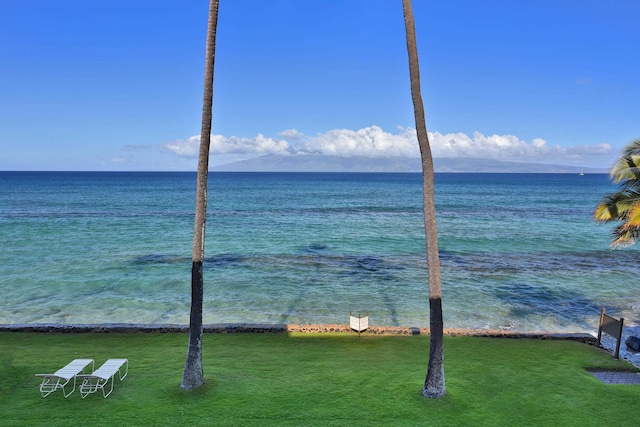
{"points": [[518, 251]]}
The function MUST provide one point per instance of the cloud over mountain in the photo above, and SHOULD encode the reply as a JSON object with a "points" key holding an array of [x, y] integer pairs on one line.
{"points": [[374, 142]]}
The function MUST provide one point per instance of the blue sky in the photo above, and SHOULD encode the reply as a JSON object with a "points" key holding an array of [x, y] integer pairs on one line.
{"points": [[117, 85]]}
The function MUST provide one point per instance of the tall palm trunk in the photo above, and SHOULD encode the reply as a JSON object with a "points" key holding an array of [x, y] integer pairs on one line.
{"points": [[434, 383], [193, 375]]}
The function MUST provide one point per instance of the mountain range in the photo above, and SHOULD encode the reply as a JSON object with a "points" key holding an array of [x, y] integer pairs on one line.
{"points": [[321, 163]]}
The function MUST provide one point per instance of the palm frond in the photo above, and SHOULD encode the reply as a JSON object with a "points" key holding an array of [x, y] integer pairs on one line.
{"points": [[632, 187], [623, 238], [614, 207], [629, 232], [628, 166], [603, 213], [624, 204], [633, 217]]}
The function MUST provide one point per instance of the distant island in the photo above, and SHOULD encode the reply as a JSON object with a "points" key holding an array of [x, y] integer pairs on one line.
{"points": [[320, 163]]}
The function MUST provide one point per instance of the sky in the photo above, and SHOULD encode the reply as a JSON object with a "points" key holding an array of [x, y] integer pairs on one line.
{"points": [[115, 85]]}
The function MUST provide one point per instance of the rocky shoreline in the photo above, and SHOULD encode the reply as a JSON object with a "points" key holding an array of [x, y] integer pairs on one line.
{"points": [[261, 328], [286, 328]]}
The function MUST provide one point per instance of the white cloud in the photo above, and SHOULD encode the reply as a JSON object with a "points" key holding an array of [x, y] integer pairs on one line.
{"points": [[291, 134], [512, 148], [487, 147], [376, 143], [184, 147], [368, 142], [219, 144], [591, 149]]}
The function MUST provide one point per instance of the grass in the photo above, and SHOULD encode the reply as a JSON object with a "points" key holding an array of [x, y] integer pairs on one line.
{"points": [[317, 380]]}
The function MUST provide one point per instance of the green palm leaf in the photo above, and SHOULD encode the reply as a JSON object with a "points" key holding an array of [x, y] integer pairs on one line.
{"points": [[627, 168], [624, 204]]}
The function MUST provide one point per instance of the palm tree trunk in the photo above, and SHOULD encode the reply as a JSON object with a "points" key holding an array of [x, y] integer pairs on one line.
{"points": [[434, 385], [193, 375]]}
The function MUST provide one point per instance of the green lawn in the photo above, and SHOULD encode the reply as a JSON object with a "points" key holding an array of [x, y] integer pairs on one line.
{"points": [[318, 380]]}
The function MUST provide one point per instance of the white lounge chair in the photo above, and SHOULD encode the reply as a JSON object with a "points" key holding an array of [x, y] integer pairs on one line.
{"points": [[101, 376], [59, 379]]}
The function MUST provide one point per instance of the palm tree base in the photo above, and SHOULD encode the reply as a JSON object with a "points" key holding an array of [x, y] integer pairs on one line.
{"points": [[435, 392]]}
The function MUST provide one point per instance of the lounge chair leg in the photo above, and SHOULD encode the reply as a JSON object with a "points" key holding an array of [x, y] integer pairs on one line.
{"points": [[113, 378], [72, 390]]}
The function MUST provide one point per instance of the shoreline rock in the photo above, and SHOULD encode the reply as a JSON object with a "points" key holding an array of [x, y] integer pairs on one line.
{"points": [[287, 328]]}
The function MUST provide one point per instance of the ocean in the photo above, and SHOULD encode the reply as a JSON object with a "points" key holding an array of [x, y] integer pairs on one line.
{"points": [[519, 252]]}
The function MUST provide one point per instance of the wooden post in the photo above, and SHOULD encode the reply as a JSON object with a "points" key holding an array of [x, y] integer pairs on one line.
{"points": [[617, 355], [602, 312]]}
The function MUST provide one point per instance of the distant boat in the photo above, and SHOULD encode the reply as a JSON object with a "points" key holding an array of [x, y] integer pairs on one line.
{"points": [[581, 172]]}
